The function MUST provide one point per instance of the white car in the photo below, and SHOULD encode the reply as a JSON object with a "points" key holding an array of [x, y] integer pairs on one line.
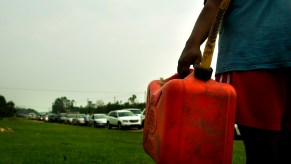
{"points": [[98, 120], [62, 118], [79, 119], [123, 118], [135, 111], [142, 117], [70, 118]]}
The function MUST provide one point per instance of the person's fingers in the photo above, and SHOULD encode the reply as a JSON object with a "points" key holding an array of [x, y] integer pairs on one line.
{"points": [[197, 62], [183, 69], [185, 72], [187, 58]]}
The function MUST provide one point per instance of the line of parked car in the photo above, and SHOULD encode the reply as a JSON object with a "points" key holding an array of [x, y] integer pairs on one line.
{"points": [[124, 118]]}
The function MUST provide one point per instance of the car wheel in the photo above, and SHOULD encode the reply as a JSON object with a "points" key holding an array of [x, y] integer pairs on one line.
{"points": [[120, 126], [95, 125], [139, 127], [108, 125]]}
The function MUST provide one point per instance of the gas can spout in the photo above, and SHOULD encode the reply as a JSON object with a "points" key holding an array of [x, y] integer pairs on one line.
{"points": [[204, 71]]}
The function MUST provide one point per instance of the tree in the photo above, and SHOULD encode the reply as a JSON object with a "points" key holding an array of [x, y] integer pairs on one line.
{"points": [[99, 103], [90, 107], [2, 101], [23, 111], [62, 105], [132, 99], [7, 109], [72, 103], [11, 108]]}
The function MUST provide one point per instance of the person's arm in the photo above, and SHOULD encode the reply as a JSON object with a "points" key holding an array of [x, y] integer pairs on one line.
{"points": [[191, 54]]}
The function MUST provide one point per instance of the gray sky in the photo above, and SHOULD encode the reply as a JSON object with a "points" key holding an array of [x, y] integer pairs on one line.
{"points": [[89, 49]]}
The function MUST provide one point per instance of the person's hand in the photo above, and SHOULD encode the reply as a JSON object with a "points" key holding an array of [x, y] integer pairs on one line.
{"points": [[189, 56]]}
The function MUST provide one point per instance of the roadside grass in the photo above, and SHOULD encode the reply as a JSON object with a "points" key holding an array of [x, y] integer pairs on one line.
{"points": [[34, 142]]}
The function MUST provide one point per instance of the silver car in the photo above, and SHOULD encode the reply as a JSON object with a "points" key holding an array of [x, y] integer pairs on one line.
{"points": [[70, 118], [98, 120], [62, 118], [79, 119], [135, 111]]}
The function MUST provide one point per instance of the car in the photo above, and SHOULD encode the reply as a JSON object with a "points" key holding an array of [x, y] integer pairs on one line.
{"points": [[62, 117], [51, 117], [32, 116], [79, 119], [142, 117], [135, 111], [123, 118], [70, 118], [41, 116], [98, 120], [46, 118]]}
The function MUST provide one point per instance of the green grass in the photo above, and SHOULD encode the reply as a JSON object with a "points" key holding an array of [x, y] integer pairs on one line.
{"points": [[38, 142], [238, 156]]}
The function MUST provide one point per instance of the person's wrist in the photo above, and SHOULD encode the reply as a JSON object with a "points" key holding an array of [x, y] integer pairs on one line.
{"points": [[191, 44]]}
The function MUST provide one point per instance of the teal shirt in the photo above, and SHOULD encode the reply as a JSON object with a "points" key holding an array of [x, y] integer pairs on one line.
{"points": [[255, 34]]}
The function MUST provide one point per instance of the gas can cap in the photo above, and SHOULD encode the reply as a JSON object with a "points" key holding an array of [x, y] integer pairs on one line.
{"points": [[202, 73]]}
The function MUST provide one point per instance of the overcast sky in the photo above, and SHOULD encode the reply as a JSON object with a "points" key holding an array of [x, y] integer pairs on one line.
{"points": [[89, 49]]}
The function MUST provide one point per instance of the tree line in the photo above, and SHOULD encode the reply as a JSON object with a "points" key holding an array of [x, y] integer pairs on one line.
{"points": [[65, 105], [7, 109]]}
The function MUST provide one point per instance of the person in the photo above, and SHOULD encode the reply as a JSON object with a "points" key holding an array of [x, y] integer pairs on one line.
{"points": [[254, 56], [87, 117]]}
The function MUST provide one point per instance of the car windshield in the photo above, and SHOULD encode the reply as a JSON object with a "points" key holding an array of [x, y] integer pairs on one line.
{"points": [[100, 116], [124, 114], [135, 111], [81, 116], [71, 115]]}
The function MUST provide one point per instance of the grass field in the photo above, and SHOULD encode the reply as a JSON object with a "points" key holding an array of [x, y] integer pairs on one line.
{"points": [[34, 142]]}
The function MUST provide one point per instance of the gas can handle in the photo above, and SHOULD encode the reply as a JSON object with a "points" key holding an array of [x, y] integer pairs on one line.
{"points": [[204, 71]]}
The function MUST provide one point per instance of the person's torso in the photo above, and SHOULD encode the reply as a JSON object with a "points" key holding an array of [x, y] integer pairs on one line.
{"points": [[255, 34]]}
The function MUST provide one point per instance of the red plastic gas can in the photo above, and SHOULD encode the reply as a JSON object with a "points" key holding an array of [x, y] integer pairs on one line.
{"points": [[189, 121]]}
